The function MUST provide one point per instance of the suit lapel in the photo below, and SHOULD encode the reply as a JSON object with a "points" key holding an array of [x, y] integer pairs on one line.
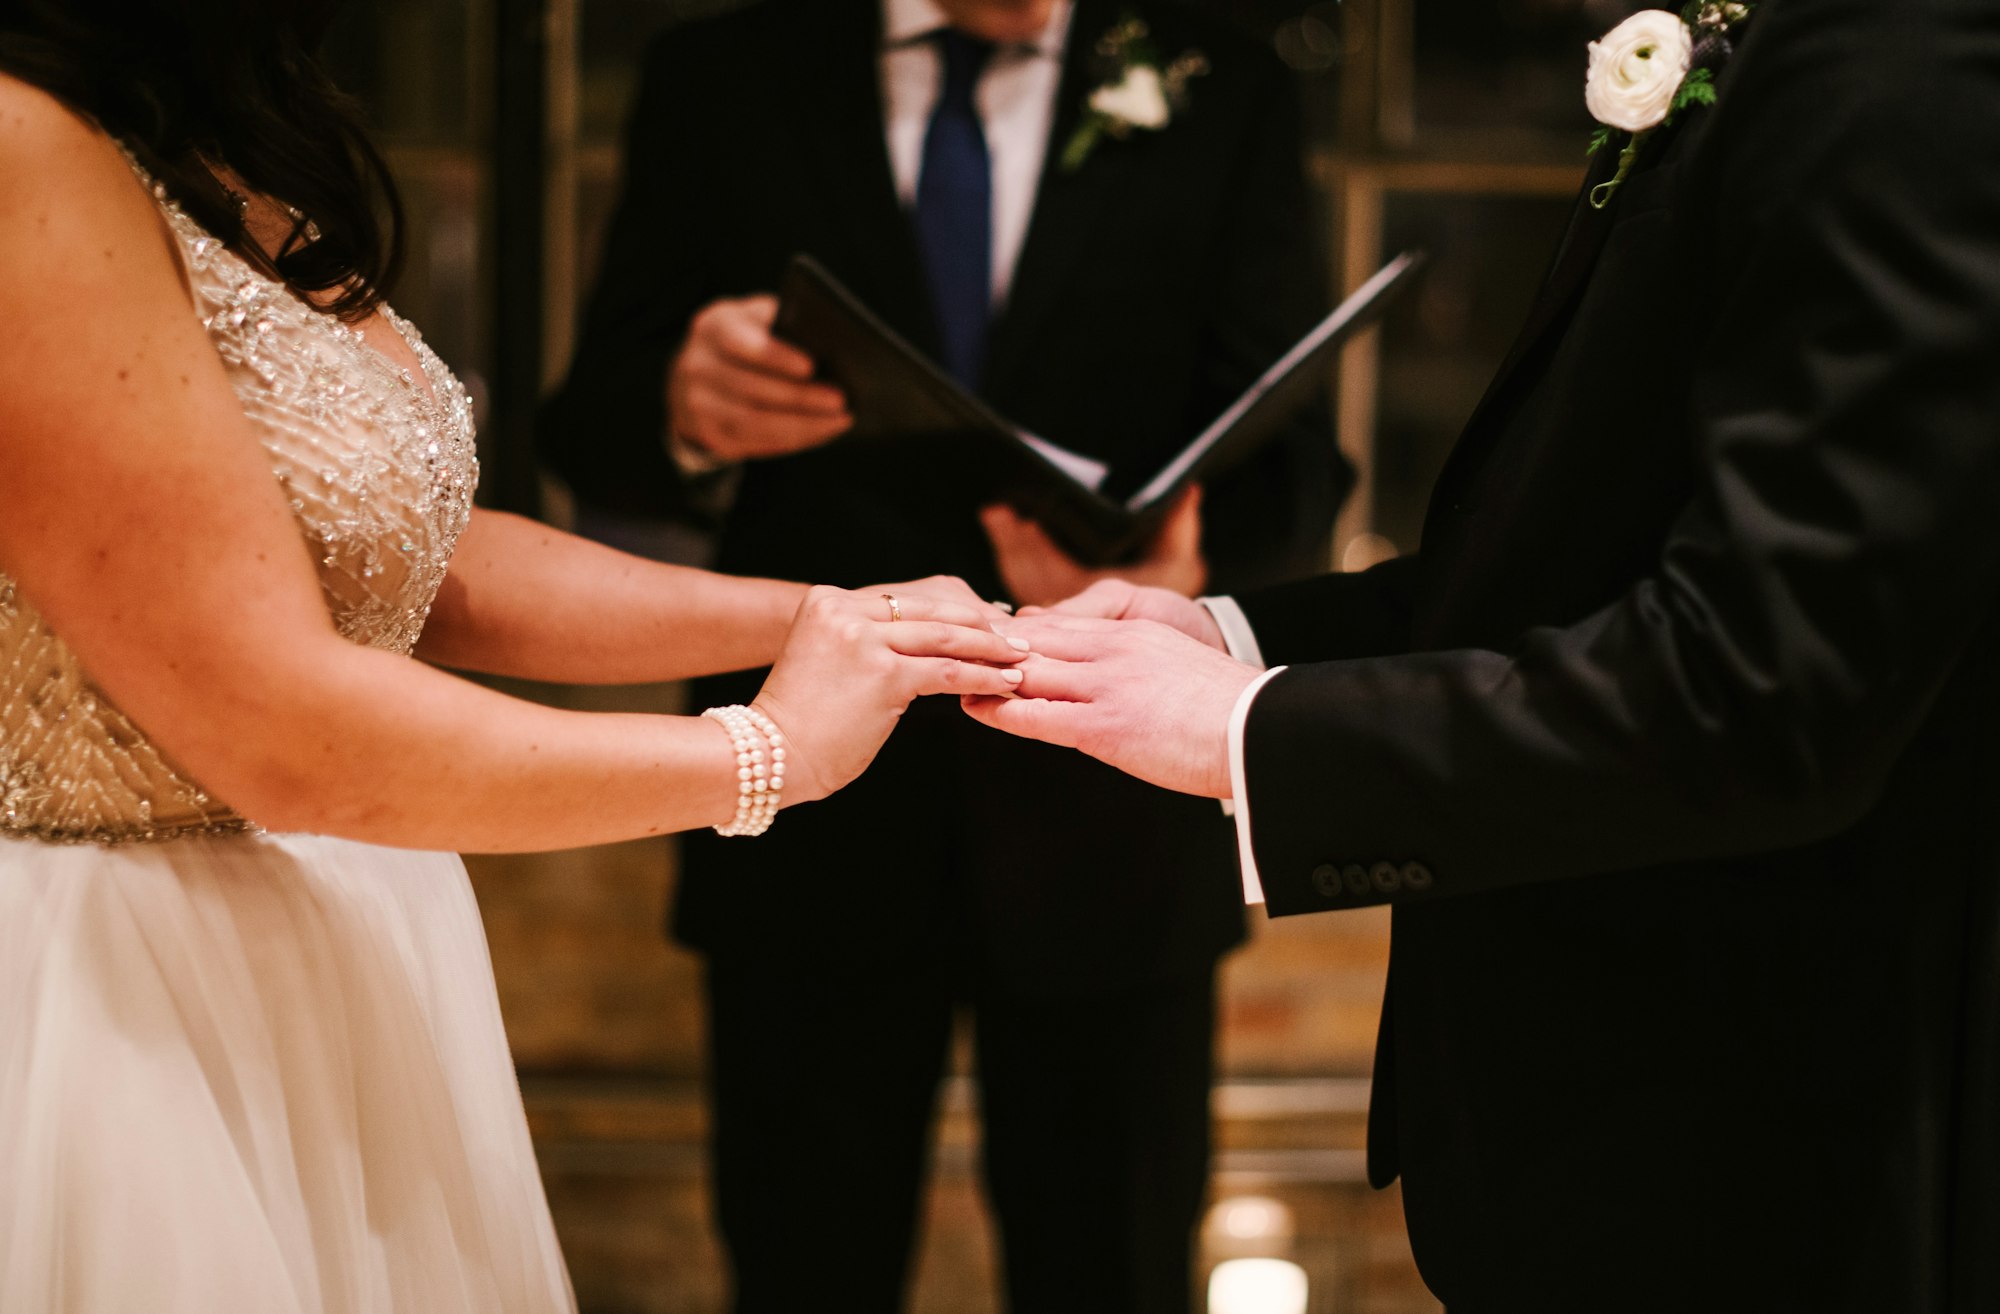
{"points": [[1068, 204], [1583, 240], [1577, 254], [836, 90], [1569, 273]]}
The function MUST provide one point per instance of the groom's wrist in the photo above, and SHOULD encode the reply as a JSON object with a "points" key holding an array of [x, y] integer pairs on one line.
{"points": [[1239, 788], [1238, 639]]}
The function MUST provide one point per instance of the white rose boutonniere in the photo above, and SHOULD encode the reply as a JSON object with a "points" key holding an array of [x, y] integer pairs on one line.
{"points": [[1643, 73], [1140, 100], [1636, 69], [1138, 92]]}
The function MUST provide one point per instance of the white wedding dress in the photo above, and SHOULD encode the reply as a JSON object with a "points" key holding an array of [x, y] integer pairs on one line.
{"points": [[244, 1073]]}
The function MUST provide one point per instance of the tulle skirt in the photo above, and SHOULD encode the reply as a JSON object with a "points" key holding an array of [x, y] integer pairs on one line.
{"points": [[262, 1074]]}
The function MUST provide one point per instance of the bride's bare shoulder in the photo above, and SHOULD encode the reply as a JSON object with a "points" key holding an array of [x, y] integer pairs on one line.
{"points": [[58, 162], [73, 211], [37, 128]]}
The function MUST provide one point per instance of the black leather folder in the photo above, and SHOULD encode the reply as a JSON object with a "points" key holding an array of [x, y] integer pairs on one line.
{"points": [[897, 395]]}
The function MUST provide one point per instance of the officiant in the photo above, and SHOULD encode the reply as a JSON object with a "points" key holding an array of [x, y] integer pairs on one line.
{"points": [[1093, 215]]}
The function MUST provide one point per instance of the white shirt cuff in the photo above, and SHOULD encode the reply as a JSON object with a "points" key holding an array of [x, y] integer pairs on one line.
{"points": [[1240, 640], [1253, 884], [1237, 636]]}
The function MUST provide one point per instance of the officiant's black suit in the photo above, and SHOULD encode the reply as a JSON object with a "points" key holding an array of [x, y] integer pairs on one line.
{"points": [[1687, 798], [1156, 281]]}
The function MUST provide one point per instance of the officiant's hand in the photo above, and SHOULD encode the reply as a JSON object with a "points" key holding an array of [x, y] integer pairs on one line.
{"points": [[1145, 698], [737, 392], [1038, 573], [854, 661]]}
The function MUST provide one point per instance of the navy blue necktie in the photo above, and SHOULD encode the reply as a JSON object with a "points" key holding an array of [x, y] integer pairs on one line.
{"points": [[955, 208]]}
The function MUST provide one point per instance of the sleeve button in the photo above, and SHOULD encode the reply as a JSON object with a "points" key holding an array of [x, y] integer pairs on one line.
{"points": [[1355, 877], [1386, 877], [1416, 876], [1326, 879]]}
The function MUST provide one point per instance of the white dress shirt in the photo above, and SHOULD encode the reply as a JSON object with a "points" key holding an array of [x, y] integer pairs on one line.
{"points": [[1241, 640], [1017, 105]]}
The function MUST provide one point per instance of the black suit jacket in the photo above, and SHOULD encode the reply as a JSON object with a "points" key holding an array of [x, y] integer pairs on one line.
{"points": [[1155, 283], [1676, 744]]}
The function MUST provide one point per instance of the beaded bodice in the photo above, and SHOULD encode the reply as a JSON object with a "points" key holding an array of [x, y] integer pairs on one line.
{"points": [[379, 468]]}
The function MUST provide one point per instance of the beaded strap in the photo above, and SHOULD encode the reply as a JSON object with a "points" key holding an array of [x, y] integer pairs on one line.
{"points": [[760, 768]]}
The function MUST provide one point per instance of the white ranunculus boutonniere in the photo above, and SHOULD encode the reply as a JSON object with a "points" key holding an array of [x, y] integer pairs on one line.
{"points": [[1140, 100], [1637, 69], [1137, 91], [1643, 73]]}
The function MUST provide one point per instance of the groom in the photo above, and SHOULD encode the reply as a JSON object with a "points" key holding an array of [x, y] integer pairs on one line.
{"points": [[1677, 746]]}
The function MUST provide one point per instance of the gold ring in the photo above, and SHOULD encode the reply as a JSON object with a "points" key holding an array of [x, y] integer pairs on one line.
{"points": [[895, 607]]}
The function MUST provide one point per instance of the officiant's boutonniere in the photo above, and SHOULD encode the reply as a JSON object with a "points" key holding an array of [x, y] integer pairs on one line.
{"points": [[1645, 71], [1137, 91]]}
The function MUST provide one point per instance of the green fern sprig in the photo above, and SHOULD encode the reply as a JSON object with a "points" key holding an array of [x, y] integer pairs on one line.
{"points": [[1698, 88]]}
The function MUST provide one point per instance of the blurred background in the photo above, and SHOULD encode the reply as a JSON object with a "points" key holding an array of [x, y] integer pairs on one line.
{"points": [[1453, 125]]}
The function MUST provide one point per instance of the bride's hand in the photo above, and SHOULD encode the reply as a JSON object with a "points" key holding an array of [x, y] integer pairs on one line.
{"points": [[946, 588], [848, 670]]}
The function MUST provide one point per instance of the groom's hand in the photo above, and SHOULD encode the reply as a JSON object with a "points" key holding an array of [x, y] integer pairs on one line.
{"points": [[1038, 573], [736, 392], [1147, 699], [1118, 599]]}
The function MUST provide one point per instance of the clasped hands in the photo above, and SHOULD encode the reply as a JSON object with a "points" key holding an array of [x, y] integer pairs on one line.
{"points": [[1134, 676], [1137, 677]]}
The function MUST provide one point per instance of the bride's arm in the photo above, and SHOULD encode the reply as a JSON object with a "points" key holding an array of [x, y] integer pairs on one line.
{"points": [[526, 600], [139, 514]]}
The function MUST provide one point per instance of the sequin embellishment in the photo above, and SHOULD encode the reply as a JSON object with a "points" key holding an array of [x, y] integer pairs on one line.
{"points": [[379, 469]]}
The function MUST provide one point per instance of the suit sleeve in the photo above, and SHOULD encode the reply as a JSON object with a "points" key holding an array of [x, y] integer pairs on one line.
{"points": [[604, 432], [1362, 614], [1269, 519], [1756, 687]]}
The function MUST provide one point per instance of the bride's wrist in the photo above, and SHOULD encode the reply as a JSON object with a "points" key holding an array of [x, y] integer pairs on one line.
{"points": [[785, 600], [756, 768], [760, 613], [715, 776]]}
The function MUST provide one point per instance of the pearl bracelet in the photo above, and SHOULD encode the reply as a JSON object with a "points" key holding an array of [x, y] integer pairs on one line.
{"points": [[760, 768]]}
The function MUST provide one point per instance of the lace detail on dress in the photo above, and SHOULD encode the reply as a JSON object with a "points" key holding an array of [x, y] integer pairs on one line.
{"points": [[379, 468]]}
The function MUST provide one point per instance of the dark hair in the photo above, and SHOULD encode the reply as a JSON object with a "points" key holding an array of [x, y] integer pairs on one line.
{"points": [[187, 84]]}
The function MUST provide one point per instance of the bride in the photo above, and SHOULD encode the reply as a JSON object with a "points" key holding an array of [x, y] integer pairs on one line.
{"points": [[250, 1052]]}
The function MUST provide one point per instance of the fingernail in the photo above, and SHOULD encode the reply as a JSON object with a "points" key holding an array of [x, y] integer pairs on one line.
{"points": [[1019, 644], [1012, 675]]}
